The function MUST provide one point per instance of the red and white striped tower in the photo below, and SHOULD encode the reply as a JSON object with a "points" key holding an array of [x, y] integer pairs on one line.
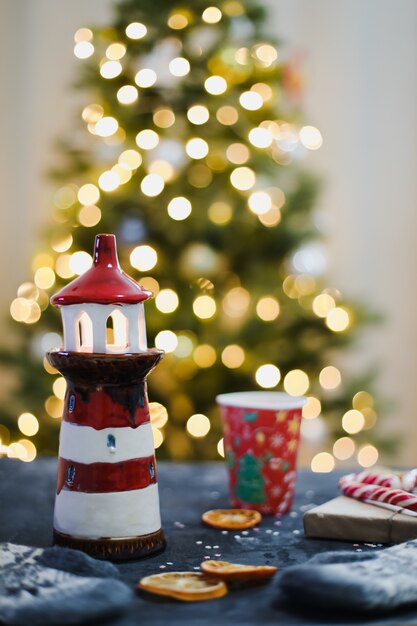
{"points": [[107, 500]]}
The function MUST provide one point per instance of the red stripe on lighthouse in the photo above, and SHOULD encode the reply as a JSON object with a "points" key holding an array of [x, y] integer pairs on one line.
{"points": [[106, 477], [99, 409]]}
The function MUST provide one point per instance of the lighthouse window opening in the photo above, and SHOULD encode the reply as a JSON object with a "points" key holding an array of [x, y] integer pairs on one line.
{"points": [[117, 331], [85, 333]]}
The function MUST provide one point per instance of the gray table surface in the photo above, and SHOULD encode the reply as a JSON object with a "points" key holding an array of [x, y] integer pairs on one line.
{"points": [[186, 490]]}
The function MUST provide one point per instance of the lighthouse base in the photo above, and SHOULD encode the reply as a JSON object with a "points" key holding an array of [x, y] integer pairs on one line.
{"points": [[122, 549]]}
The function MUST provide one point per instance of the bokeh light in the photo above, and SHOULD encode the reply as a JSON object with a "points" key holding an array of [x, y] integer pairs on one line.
{"points": [[212, 15], [166, 301], [145, 78], [312, 408], [323, 462], [367, 456], [28, 424], [204, 307], [152, 185], [296, 382], [127, 94], [344, 448], [267, 376], [233, 356], [179, 208], [198, 114], [215, 85], [198, 425], [204, 355], [267, 308], [166, 340], [353, 421], [136, 30], [330, 377], [143, 258]]}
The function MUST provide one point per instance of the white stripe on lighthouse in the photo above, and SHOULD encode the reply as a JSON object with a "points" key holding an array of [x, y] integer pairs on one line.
{"points": [[88, 445], [105, 515]]}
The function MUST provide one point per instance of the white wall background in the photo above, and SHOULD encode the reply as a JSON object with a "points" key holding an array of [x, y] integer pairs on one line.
{"points": [[361, 91]]}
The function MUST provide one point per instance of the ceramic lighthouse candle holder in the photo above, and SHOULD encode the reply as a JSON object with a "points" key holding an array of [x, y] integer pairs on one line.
{"points": [[107, 501]]}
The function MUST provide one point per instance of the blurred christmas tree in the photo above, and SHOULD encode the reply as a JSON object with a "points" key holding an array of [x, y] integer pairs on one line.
{"points": [[190, 152]]}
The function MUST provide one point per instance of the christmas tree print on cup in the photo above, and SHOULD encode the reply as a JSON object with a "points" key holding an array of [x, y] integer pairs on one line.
{"points": [[261, 434]]}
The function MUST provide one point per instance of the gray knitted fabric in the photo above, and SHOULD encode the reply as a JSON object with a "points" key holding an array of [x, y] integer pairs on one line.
{"points": [[366, 581], [57, 586]]}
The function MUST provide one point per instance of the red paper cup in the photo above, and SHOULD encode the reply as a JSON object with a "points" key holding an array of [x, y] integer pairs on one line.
{"points": [[261, 434]]}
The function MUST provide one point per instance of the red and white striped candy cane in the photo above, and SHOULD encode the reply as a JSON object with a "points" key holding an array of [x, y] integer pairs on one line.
{"points": [[395, 499], [407, 481]]}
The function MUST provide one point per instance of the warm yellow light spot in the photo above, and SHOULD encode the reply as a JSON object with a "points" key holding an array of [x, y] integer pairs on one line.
{"points": [[212, 15], [145, 78], [177, 21], [237, 153], [197, 148], [199, 176], [220, 213], [260, 202], [54, 406], [270, 218], [337, 319], [242, 56], [361, 400], [47, 366], [122, 172], [242, 178], [251, 100], [260, 137], [164, 118], [152, 185], [343, 448], [267, 376], [92, 113], [296, 382], [330, 377], [44, 277], [370, 417], [83, 34], [312, 408], [323, 304], [166, 340], [89, 215], [29, 450], [143, 258], [106, 127], [115, 51], [148, 282], [263, 90], [266, 53], [136, 30], [198, 114], [62, 265], [198, 425], [111, 69], [185, 346], [34, 314], [64, 197], [179, 208], [179, 66], [147, 139], [166, 301], [59, 387], [215, 85], [28, 291], [322, 463], [109, 181], [159, 414], [234, 8], [220, 447], [204, 355], [88, 194], [61, 243], [163, 169], [353, 421], [127, 94], [204, 307], [83, 49], [28, 424], [80, 262], [311, 138], [367, 456], [227, 115], [236, 302], [267, 308], [158, 437], [233, 356], [130, 159]]}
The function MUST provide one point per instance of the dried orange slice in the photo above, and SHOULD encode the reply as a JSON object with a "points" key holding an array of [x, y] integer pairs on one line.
{"points": [[232, 519], [186, 586], [235, 571]]}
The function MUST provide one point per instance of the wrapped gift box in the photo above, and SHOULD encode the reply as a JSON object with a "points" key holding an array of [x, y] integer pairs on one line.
{"points": [[348, 519]]}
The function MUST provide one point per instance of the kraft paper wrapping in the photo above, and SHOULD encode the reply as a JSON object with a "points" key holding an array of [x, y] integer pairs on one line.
{"points": [[349, 519]]}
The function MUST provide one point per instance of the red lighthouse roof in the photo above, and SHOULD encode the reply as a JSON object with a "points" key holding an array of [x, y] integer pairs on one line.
{"points": [[105, 282]]}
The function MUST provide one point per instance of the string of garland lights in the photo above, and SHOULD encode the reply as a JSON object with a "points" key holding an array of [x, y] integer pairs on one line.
{"points": [[190, 151]]}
